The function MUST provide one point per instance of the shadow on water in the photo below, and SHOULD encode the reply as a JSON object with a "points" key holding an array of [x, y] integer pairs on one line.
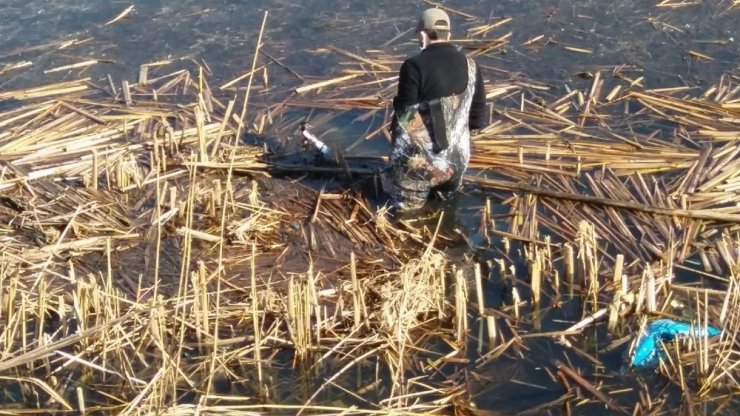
{"points": [[10, 104]]}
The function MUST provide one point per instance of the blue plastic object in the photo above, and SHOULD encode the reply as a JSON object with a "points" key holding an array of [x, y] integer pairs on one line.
{"points": [[649, 350]]}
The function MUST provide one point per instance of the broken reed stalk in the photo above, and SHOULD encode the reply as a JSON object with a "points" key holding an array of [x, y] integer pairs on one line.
{"points": [[491, 327], [589, 263], [357, 296], [479, 290], [517, 300], [536, 280], [619, 291], [590, 388], [684, 213], [326, 83], [461, 307], [257, 325], [224, 206], [618, 266], [299, 315], [651, 291], [569, 259]]}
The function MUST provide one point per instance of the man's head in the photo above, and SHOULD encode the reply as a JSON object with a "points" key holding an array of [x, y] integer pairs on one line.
{"points": [[433, 25]]}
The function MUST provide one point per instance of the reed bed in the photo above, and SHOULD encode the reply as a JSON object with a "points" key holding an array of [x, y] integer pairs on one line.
{"points": [[641, 184], [154, 263], [137, 276], [612, 191]]}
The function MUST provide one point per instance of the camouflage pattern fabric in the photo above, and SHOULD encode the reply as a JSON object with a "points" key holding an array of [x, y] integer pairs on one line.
{"points": [[414, 169]]}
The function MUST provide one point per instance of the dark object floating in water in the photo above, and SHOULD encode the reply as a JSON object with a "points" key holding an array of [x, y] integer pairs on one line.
{"points": [[649, 350]]}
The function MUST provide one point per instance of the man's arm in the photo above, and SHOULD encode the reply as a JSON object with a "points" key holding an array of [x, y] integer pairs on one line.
{"points": [[408, 87], [478, 106]]}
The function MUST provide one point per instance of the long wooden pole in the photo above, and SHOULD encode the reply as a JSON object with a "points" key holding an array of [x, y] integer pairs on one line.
{"points": [[632, 206], [487, 183]]}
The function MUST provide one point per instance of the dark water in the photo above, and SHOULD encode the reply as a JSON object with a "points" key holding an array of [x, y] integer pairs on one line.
{"points": [[222, 35], [653, 42], [223, 32]]}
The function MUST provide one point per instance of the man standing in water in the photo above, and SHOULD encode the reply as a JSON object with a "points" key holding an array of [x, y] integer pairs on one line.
{"points": [[440, 99]]}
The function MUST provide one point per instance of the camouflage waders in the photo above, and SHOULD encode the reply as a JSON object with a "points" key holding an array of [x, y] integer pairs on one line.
{"points": [[419, 164]]}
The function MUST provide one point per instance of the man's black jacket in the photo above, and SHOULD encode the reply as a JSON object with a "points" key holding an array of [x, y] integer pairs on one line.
{"points": [[440, 70]]}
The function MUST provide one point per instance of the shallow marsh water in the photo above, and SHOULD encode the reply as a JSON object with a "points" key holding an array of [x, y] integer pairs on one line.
{"points": [[222, 34]]}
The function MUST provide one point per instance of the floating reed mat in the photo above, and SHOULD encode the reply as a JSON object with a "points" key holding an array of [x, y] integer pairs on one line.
{"points": [[641, 206], [163, 298], [137, 274], [95, 140], [637, 185], [655, 170], [615, 301], [653, 194]]}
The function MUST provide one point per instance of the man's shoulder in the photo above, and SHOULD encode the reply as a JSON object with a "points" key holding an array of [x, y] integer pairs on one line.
{"points": [[412, 59]]}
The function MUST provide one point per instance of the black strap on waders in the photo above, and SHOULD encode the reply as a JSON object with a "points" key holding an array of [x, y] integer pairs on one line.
{"points": [[439, 129]]}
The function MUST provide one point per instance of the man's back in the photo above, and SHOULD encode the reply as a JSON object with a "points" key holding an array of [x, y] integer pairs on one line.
{"points": [[438, 71]]}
